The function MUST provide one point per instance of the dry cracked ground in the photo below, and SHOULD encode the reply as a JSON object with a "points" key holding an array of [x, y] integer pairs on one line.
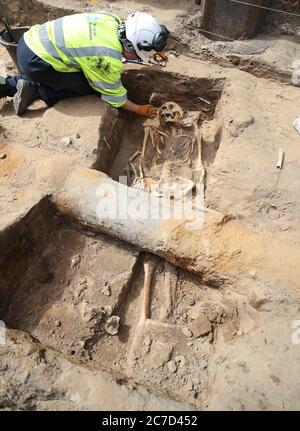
{"points": [[217, 335]]}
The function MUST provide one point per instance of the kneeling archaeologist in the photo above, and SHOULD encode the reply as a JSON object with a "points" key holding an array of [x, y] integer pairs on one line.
{"points": [[82, 54]]}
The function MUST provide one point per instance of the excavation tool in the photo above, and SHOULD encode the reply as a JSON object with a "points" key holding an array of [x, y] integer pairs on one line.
{"points": [[136, 62], [9, 30]]}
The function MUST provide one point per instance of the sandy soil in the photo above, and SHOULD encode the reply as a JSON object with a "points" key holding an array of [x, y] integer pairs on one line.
{"points": [[204, 346]]}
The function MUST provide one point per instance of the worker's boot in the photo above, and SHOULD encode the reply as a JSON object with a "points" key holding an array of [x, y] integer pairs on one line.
{"points": [[26, 94], [5, 89]]}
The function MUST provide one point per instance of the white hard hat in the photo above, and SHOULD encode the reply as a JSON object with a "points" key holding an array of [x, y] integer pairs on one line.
{"points": [[145, 33]]}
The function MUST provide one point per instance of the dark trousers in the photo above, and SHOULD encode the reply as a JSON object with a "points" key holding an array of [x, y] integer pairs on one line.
{"points": [[51, 85]]}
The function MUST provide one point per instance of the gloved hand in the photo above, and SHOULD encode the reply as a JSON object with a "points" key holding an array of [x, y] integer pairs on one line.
{"points": [[148, 111], [161, 56]]}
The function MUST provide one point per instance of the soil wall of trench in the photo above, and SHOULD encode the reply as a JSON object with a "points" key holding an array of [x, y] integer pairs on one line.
{"points": [[30, 12]]}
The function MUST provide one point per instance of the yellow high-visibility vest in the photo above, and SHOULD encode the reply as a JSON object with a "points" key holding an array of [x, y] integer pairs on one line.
{"points": [[86, 42]]}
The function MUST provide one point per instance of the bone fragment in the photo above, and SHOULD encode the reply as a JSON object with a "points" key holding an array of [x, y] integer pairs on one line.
{"points": [[280, 160], [149, 267], [134, 156], [146, 136], [133, 170]]}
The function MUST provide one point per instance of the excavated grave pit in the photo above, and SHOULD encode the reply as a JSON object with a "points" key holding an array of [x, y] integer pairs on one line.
{"points": [[198, 98], [61, 284]]}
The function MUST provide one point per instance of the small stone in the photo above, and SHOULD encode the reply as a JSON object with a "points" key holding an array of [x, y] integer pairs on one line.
{"points": [[3, 156], [240, 123], [296, 77], [172, 367], [189, 386], [196, 311], [275, 379], [239, 333], [180, 359], [82, 281], [161, 352], [147, 341], [75, 261], [106, 290], [91, 314], [200, 327], [196, 380], [82, 344], [187, 332], [57, 323], [107, 309], [25, 377], [66, 141], [191, 302], [203, 364], [78, 136], [252, 273], [112, 325], [80, 288], [190, 344]]}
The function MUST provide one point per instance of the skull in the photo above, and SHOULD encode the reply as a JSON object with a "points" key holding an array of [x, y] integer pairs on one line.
{"points": [[171, 112]]}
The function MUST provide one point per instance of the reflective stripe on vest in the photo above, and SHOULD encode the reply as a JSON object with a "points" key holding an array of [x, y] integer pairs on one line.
{"points": [[104, 85], [114, 99], [47, 44], [86, 51]]}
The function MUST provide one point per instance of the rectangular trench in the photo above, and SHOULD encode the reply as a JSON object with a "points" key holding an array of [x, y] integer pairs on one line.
{"points": [[196, 96]]}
